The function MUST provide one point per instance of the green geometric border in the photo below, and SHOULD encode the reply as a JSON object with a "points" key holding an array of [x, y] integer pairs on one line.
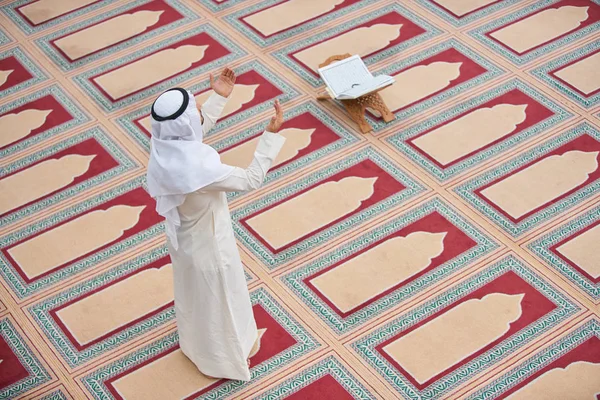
{"points": [[66, 65], [457, 22], [83, 80], [37, 374], [214, 7], [56, 395], [431, 31], [467, 190], [541, 248], [365, 347], [493, 71], [341, 325], [249, 278], [328, 366], [79, 116], [480, 34], [442, 174], [4, 39], [289, 93], [23, 289], [538, 362], [271, 260], [41, 312], [346, 138], [10, 11], [94, 382], [236, 23], [542, 73], [29, 65], [97, 133]]}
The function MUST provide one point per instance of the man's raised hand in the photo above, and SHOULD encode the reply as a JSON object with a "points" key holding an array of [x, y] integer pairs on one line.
{"points": [[223, 86], [277, 120]]}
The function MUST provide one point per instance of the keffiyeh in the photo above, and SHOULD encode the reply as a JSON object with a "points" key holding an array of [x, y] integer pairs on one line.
{"points": [[179, 162]]}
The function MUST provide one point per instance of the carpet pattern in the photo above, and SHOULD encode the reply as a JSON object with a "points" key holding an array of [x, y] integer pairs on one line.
{"points": [[450, 254]]}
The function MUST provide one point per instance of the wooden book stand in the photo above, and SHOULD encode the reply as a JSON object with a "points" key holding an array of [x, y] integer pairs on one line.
{"points": [[356, 107]]}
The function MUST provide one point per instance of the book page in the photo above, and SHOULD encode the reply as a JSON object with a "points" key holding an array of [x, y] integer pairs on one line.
{"points": [[372, 85], [345, 74]]}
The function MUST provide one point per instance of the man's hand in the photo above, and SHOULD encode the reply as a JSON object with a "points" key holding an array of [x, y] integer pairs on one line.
{"points": [[223, 86], [277, 120]]}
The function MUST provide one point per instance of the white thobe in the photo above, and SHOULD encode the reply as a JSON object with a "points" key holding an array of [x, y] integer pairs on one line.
{"points": [[214, 314]]}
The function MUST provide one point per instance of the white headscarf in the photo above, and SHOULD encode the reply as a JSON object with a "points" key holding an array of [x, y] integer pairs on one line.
{"points": [[179, 162]]}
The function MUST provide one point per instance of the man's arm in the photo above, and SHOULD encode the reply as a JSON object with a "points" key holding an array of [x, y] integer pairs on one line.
{"points": [[251, 178], [211, 110], [269, 145]]}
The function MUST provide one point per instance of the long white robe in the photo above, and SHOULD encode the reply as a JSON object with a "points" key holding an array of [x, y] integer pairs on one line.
{"points": [[214, 315]]}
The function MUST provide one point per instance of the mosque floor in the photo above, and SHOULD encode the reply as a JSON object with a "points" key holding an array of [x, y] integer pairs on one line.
{"points": [[450, 254]]}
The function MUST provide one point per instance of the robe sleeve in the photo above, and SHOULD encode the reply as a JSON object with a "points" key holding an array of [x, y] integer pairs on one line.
{"points": [[240, 179], [211, 110]]}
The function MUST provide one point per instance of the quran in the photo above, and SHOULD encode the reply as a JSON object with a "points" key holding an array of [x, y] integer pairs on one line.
{"points": [[350, 78]]}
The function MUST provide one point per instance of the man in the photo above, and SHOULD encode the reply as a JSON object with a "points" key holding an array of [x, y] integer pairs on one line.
{"points": [[214, 315]]}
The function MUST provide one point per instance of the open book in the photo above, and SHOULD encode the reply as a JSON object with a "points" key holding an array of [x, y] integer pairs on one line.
{"points": [[350, 79]]}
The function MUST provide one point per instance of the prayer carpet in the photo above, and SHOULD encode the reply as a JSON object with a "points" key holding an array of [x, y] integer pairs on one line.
{"points": [[450, 254]]}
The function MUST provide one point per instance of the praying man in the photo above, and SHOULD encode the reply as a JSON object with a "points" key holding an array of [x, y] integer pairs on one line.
{"points": [[217, 330]]}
